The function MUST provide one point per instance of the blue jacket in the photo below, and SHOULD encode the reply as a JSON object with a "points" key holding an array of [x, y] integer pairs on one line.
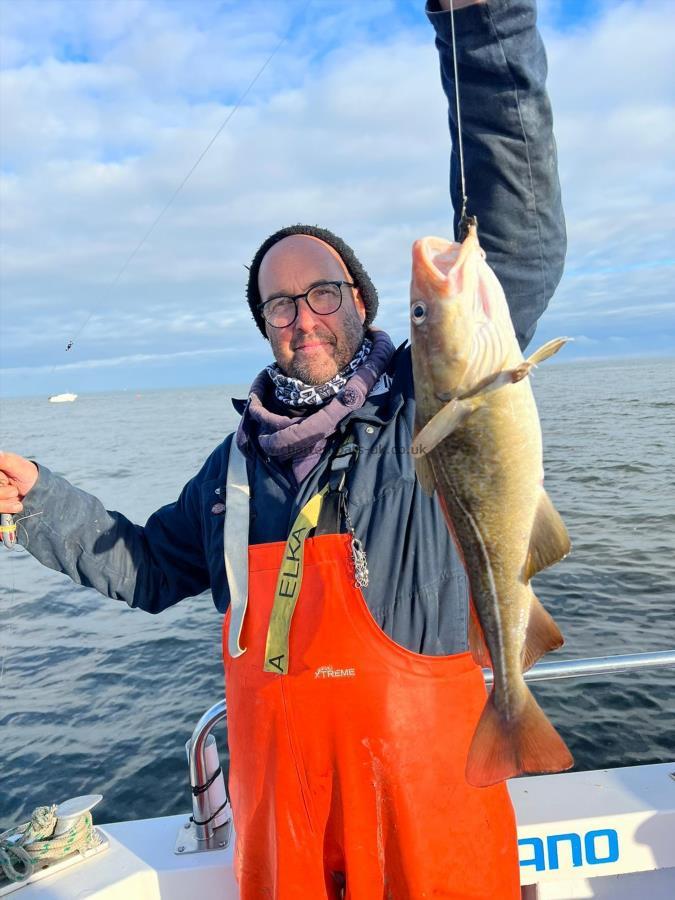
{"points": [[418, 588]]}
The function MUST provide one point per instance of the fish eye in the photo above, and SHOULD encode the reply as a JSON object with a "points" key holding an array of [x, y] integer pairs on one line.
{"points": [[418, 313]]}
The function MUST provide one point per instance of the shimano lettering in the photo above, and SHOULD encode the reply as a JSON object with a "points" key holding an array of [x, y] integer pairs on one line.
{"points": [[570, 850]]}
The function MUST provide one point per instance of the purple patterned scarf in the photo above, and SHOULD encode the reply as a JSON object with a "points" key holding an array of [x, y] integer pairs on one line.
{"points": [[295, 393], [303, 439]]}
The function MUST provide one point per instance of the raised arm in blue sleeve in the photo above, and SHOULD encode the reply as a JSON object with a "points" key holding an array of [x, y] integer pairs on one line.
{"points": [[150, 567], [509, 151]]}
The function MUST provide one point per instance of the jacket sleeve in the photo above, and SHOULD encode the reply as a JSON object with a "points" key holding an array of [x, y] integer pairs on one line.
{"points": [[510, 154], [150, 567]]}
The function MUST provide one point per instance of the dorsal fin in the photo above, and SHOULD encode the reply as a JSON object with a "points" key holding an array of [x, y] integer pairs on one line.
{"points": [[541, 636], [549, 540]]}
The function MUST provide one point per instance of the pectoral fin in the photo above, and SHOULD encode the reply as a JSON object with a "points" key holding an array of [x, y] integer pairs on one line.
{"points": [[550, 348], [446, 420], [425, 474], [549, 541], [496, 380]]}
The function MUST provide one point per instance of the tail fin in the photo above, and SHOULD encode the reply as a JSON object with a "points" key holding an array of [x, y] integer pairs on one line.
{"points": [[541, 636], [525, 745]]}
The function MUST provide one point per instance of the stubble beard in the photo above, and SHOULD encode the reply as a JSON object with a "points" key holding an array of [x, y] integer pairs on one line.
{"points": [[345, 347]]}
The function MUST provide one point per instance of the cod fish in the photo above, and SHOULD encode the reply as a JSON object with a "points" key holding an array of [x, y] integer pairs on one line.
{"points": [[478, 444]]}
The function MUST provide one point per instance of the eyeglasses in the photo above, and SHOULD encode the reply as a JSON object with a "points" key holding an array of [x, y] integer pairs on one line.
{"points": [[323, 299]]}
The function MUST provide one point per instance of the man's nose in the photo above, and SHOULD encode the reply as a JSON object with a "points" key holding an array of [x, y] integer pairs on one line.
{"points": [[306, 319]]}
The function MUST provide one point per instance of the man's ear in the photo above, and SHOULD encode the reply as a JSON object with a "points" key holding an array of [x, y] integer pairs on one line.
{"points": [[360, 305]]}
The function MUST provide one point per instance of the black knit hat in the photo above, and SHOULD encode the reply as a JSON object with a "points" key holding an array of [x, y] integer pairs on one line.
{"points": [[358, 274]]}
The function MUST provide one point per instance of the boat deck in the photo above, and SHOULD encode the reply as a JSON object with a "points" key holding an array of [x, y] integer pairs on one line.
{"points": [[606, 834]]}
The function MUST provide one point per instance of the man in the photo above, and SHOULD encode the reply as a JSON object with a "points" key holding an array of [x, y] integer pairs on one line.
{"points": [[351, 696]]}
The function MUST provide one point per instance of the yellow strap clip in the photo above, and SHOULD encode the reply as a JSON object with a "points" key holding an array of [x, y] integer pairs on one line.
{"points": [[289, 583]]}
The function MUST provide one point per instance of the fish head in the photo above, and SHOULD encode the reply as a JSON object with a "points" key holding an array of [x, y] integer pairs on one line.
{"points": [[461, 329]]}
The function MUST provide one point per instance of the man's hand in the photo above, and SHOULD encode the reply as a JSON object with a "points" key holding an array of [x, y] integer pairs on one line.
{"points": [[17, 477]]}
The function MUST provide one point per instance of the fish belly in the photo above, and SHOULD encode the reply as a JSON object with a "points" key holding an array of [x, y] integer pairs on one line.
{"points": [[488, 476]]}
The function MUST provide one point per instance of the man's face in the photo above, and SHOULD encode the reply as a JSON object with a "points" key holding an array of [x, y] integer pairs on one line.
{"points": [[313, 348]]}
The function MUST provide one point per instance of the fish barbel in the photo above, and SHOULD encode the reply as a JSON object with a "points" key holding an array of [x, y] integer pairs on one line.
{"points": [[478, 444]]}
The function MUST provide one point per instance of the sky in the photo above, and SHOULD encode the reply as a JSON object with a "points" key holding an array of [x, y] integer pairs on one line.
{"points": [[106, 105]]}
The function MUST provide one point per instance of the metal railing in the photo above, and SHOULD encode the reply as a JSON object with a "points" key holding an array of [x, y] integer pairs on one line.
{"points": [[206, 837], [205, 831], [597, 665]]}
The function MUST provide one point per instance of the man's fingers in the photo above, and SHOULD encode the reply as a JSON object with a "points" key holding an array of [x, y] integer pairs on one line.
{"points": [[9, 499], [14, 469], [11, 462], [7, 465]]}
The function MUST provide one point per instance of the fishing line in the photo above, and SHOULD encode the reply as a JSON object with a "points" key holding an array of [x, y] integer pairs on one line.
{"points": [[8, 633], [185, 180], [17, 548], [22, 547], [168, 204], [464, 219], [4, 650]]}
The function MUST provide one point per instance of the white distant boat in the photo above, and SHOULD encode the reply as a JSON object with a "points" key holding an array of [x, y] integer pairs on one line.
{"points": [[62, 398]]}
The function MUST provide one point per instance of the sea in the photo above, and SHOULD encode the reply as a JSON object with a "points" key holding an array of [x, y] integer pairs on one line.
{"points": [[98, 698]]}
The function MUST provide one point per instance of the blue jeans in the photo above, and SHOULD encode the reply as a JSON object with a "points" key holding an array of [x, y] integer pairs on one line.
{"points": [[510, 157]]}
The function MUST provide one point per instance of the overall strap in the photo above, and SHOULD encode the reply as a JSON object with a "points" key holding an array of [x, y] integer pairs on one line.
{"points": [[321, 515], [338, 469], [235, 543]]}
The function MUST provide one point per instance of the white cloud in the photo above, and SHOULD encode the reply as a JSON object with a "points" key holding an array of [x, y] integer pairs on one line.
{"points": [[613, 92], [133, 359]]}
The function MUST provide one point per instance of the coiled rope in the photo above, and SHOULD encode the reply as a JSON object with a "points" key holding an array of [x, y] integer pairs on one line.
{"points": [[28, 846]]}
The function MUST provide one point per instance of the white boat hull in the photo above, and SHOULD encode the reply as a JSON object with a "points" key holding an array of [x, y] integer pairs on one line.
{"points": [[606, 834]]}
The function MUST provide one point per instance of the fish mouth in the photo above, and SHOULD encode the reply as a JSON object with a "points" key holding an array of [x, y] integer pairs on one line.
{"points": [[433, 257]]}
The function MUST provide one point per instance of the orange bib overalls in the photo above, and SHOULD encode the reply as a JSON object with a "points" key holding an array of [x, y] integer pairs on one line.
{"points": [[349, 770]]}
